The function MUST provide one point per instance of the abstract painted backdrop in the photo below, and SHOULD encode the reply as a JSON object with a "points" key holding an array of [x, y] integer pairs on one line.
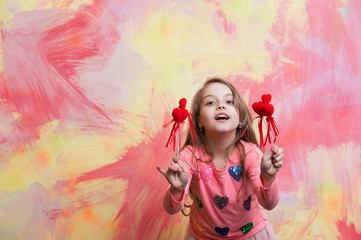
{"points": [[86, 85]]}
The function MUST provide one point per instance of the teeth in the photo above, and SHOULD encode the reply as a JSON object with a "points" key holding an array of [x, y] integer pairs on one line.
{"points": [[222, 116]]}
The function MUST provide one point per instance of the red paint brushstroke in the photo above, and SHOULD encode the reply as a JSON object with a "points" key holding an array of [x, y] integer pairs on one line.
{"points": [[142, 210], [58, 213], [347, 231], [41, 85]]}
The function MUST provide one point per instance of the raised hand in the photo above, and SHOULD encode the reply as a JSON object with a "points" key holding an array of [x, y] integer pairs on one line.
{"points": [[271, 163], [176, 167]]}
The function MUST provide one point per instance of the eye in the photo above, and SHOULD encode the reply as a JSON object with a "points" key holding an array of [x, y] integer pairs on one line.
{"points": [[229, 102], [210, 102]]}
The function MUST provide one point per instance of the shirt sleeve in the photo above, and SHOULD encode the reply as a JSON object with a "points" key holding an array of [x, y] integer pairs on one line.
{"points": [[170, 204], [268, 197]]}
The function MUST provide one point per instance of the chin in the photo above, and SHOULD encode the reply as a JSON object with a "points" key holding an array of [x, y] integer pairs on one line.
{"points": [[223, 131]]}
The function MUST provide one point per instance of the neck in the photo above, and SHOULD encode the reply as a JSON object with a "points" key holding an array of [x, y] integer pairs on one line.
{"points": [[220, 143]]}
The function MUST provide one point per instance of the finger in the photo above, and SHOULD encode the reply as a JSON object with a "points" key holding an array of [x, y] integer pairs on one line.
{"points": [[173, 168], [277, 159], [276, 150], [183, 166], [175, 159], [278, 164], [280, 157], [176, 165], [162, 170]]}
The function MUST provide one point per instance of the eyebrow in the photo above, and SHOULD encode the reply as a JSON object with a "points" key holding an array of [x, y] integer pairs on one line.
{"points": [[210, 95]]}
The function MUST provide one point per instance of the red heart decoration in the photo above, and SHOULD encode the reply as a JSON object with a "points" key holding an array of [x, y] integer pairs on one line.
{"points": [[266, 98], [182, 103], [268, 109], [258, 107], [179, 115]]}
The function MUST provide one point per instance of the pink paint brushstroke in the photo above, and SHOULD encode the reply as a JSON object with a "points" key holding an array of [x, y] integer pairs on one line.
{"points": [[319, 86], [41, 62], [142, 205], [347, 230], [229, 27]]}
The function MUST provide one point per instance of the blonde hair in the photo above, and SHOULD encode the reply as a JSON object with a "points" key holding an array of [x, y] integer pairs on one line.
{"points": [[245, 132]]}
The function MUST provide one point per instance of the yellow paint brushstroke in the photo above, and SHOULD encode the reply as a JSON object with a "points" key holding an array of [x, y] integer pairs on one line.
{"points": [[173, 41], [9, 8], [18, 173], [5, 15], [1, 54], [66, 4], [71, 153], [104, 199], [326, 196], [57, 156]]}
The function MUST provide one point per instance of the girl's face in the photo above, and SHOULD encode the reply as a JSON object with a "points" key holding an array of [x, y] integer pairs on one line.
{"points": [[217, 112]]}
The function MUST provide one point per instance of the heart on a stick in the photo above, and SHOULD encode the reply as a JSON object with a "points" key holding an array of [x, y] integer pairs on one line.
{"points": [[266, 98], [258, 107], [264, 108], [179, 114], [268, 110]]}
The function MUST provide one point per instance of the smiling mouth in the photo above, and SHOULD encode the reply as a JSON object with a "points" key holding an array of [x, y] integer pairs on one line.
{"points": [[222, 117]]}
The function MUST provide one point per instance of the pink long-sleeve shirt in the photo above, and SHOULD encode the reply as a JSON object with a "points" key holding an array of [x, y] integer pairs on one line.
{"points": [[216, 213]]}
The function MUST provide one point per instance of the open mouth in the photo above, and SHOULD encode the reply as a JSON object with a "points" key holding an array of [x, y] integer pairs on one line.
{"points": [[222, 117]]}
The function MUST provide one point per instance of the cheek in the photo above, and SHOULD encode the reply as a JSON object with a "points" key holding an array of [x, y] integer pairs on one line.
{"points": [[233, 110], [237, 116], [237, 112]]}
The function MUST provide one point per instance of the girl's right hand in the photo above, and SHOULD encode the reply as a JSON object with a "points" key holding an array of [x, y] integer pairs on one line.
{"points": [[178, 168]]}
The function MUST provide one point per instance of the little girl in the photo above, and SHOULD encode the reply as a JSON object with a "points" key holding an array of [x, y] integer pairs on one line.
{"points": [[224, 171]]}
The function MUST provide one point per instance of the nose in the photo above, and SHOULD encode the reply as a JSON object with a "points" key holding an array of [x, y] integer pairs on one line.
{"points": [[220, 106]]}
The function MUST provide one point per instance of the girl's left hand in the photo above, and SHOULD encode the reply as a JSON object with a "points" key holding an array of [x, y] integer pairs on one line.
{"points": [[271, 162]]}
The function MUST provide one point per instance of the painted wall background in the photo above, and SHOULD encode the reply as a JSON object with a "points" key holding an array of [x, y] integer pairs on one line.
{"points": [[85, 87]]}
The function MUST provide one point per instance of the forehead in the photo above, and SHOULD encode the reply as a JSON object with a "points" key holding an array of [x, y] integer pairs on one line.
{"points": [[216, 89]]}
